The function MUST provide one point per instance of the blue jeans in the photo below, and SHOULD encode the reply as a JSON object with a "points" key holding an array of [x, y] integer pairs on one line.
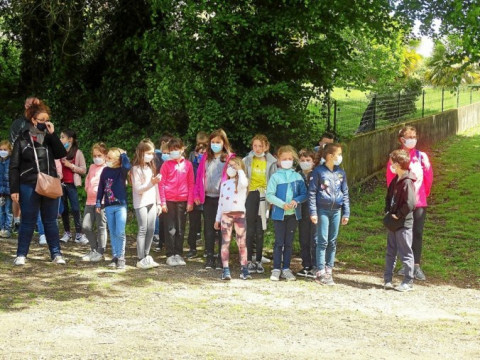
{"points": [[116, 220], [327, 228], [30, 204], [284, 234], [6, 216], [40, 228], [70, 194]]}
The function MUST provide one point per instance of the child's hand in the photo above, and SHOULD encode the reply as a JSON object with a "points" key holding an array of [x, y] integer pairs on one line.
{"points": [[164, 208], [67, 163], [286, 206], [395, 216], [216, 226], [293, 204], [189, 207], [197, 202], [155, 180], [98, 210], [159, 210], [314, 219], [344, 221]]}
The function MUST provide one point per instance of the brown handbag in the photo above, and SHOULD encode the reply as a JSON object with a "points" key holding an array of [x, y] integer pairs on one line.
{"points": [[47, 185]]}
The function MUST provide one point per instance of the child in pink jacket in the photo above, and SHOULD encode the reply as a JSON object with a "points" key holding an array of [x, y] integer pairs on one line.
{"points": [[98, 240], [422, 168], [176, 196]]}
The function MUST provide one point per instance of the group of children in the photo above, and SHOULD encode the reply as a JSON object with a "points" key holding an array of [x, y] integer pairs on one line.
{"points": [[232, 193]]}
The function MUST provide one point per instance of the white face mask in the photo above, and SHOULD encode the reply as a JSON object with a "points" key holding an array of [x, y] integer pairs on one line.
{"points": [[259, 155], [306, 165], [3, 153], [322, 161], [231, 172], [109, 164], [338, 161], [147, 158], [286, 164], [175, 154], [392, 169], [98, 160], [410, 143]]}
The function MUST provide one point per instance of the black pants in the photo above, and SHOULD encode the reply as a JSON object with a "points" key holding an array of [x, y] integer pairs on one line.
{"points": [[195, 226], [308, 238], [211, 235], [174, 221], [70, 194], [419, 215], [254, 225]]}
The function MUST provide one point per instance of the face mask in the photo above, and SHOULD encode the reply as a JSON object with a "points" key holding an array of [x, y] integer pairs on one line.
{"points": [[322, 161], [286, 164], [3, 153], [109, 164], [147, 158], [165, 157], [216, 148], [41, 126], [338, 161], [316, 148], [98, 160], [410, 143], [231, 172], [392, 169], [306, 165], [175, 154], [66, 145], [259, 155]]}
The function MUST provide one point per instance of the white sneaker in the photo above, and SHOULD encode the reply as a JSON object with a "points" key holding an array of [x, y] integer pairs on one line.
{"points": [[42, 240], [81, 239], [265, 260], [275, 275], [172, 261], [19, 261], [144, 264], [59, 260], [288, 275], [152, 262], [88, 256], [180, 260], [66, 236], [3, 233], [96, 257]]}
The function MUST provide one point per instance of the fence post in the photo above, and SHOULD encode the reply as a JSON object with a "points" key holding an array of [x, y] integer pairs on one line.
{"points": [[398, 106], [334, 116], [458, 96], [443, 92], [328, 113], [374, 111], [423, 103]]}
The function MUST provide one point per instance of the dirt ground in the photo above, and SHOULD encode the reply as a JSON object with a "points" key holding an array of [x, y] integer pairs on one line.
{"points": [[85, 311]]}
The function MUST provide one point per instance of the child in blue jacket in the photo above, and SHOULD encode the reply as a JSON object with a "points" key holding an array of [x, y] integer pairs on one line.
{"points": [[6, 216], [329, 205], [285, 190]]}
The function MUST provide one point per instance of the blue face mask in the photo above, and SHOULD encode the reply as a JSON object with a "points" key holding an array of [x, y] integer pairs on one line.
{"points": [[165, 157], [175, 154], [216, 148], [66, 145]]}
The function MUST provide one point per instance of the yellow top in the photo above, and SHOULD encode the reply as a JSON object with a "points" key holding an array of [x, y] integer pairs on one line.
{"points": [[259, 174]]}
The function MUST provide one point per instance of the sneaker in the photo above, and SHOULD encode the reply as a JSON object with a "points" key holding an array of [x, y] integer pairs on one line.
{"points": [[81, 239], [191, 254], [19, 261], [172, 261], [158, 248], [304, 272], [3, 233], [403, 287], [121, 264], [388, 285], [144, 264], [113, 264], [275, 275], [324, 279], [96, 257], [152, 262], [245, 274], [401, 272], [226, 274], [265, 260], [88, 256], [180, 260], [418, 273], [42, 240], [66, 236], [59, 260], [156, 239], [288, 275], [218, 264], [252, 267], [260, 269], [209, 263], [16, 226]]}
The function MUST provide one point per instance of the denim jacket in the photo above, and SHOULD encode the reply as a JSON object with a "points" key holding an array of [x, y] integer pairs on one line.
{"points": [[328, 190], [283, 187], [4, 181]]}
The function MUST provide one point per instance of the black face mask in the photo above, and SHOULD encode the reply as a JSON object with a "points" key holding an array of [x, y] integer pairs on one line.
{"points": [[41, 126]]}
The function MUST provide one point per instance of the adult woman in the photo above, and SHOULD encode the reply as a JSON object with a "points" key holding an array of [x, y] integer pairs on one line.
{"points": [[23, 179]]}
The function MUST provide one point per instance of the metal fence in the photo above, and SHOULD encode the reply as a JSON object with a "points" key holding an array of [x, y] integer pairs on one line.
{"points": [[349, 116]]}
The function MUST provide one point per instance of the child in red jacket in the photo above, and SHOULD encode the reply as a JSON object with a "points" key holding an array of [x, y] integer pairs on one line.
{"points": [[176, 195]]}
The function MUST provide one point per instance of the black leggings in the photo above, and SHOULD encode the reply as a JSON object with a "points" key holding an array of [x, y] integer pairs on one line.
{"points": [[419, 215], [212, 236], [254, 225]]}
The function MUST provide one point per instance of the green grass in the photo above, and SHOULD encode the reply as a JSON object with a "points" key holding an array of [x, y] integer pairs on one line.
{"points": [[451, 249]]}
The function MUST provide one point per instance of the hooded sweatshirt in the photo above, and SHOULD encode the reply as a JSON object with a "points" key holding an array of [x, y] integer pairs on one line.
{"points": [[400, 199]]}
